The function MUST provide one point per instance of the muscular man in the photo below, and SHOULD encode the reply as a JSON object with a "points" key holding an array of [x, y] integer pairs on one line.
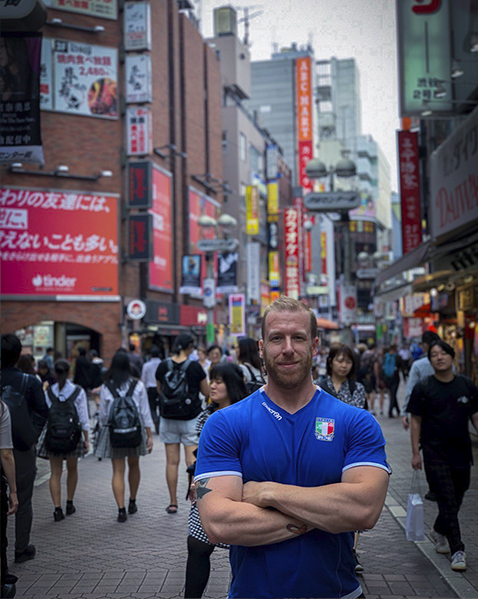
{"points": [[287, 475]]}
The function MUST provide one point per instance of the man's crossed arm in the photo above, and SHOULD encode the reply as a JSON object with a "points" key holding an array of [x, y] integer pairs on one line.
{"points": [[265, 513]]}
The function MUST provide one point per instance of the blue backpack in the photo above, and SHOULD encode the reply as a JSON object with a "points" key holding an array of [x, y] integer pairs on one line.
{"points": [[389, 365]]}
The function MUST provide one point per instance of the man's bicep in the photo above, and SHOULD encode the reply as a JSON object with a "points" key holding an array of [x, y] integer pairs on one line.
{"points": [[373, 483], [219, 487]]}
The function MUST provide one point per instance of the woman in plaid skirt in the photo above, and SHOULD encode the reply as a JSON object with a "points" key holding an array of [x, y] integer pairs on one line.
{"points": [[119, 378], [63, 390], [226, 387]]}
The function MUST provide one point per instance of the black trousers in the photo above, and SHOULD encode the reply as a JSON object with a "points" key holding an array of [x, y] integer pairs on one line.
{"points": [[392, 385], [25, 472], [198, 567], [450, 483], [153, 399]]}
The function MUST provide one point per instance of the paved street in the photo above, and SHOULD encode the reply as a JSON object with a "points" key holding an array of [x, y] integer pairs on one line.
{"points": [[89, 555]]}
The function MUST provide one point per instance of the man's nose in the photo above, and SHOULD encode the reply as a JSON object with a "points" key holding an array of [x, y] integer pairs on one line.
{"points": [[288, 346]]}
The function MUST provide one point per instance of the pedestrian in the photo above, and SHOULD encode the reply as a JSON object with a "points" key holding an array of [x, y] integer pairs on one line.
{"points": [[135, 360], [148, 376], [118, 383], [226, 388], [392, 364], [406, 356], [286, 461], [441, 407], [30, 388], [250, 361], [65, 392], [46, 374], [366, 375], [203, 359], [214, 353], [83, 370], [26, 364], [340, 382], [49, 357], [378, 379], [179, 381], [8, 499]]}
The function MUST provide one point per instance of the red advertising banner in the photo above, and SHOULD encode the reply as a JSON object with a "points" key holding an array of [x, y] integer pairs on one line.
{"points": [[58, 243], [161, 267], [409, 190], [299, 204], [291, 237], [200, 204], [304, 111]]}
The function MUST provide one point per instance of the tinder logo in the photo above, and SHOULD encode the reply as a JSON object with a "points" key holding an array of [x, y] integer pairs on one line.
{"points": [[427, 8], [53, 282]]}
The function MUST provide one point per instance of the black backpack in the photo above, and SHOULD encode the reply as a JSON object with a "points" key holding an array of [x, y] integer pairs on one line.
{"points": [[175, 401], [255, 383], [24, 433], [124, 420], [63, 426]]}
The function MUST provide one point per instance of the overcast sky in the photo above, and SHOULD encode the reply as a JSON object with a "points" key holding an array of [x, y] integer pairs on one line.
{"points": [[360, 29]]}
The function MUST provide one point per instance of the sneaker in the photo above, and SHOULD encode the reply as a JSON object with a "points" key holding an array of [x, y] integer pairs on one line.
{"points": [[58, 514], [70, 508], [458, 561], [441, 543], [122, 515], [132, 507], [358, 566], [26, 555]]}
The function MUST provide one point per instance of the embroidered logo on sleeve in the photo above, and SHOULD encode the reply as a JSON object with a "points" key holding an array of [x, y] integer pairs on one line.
{"points": [[462, 399], [325, 429]]}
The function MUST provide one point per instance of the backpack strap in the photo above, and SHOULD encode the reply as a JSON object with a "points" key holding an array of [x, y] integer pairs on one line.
{"points": [[253, 376], [185, 364], [111, 389], [170, 364], [24, 385], [75, 393], [132, 387], [352, 387], [53, 398]]}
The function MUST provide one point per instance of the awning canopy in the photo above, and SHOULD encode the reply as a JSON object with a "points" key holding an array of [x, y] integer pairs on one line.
{"points": [[323, 323], [413, 259], [434, 279]]}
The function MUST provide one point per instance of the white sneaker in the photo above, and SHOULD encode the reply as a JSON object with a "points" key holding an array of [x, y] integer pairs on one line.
{"points": [[441, 544], [458, 561]]}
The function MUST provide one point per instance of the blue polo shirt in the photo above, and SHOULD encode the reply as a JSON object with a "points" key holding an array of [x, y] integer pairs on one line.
{"points": [[259, 441]]}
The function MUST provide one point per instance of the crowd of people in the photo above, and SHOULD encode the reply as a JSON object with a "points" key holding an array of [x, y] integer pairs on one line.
{"points": [[294, 520]]}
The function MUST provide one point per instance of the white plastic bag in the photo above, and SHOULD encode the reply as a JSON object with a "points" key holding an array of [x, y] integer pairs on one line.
{"points": [[414, 524]]}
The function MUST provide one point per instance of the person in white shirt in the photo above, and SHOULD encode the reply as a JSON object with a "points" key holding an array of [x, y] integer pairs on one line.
{"points": [[119, 378], [63, 390], [248, 359], [148, 376]]}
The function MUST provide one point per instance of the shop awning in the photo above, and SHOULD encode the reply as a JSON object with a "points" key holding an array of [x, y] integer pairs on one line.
{"points": [[323, 323], [423, 311], [413, 259], [434, 279], [394, 293]]}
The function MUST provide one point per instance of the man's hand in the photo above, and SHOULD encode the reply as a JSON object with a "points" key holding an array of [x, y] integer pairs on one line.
{"points": [[87, 446], [417, 462], [405, 422], [257, 493], [149, 444], [192, 492], [12, 503]]}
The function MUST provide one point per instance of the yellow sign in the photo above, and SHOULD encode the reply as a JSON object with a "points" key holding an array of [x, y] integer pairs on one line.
{"points": [[274, 295], [252, 210], [274, 276], [272, 198]]}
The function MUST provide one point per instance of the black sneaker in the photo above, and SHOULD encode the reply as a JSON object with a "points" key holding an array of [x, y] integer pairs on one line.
{"points": [[70, 508], [358, 566], [26, 555], [58, 514], [132, 507], [8, 591], [122, 515]]}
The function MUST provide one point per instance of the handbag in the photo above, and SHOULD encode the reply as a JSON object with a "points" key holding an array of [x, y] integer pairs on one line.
{"points": [[414, 523]]}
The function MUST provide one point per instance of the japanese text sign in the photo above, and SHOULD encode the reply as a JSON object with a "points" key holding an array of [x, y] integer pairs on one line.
{"points": [[304, 111], [139, 131], [58, 243], [252, 210], [237, 314], [272, 199], [106, 9], [140, 237], [137, 26], [139, 184], [291, 240], [139, 83], [409, 190], [161, 267]]}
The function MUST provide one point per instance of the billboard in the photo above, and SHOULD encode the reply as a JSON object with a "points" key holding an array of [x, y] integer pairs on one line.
{"points": [[237, 314], [59, 244], [85, 79], [139, 83], [140, 235], [304, 112], [161, 267], [227, 272], [199, 205], [20, 138], [252, 210], [291, 239], [191, 274], [140, 184], [409, 190], [253, 255], [106, 9], [424, 55], [139, 134], [137, 26]]}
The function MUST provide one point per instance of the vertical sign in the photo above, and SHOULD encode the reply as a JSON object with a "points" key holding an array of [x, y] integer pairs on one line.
{"points": [[299, 204], [138, 131], [137, 26], [323, 252], [253, 253], [139, 237], [291, 236], [139, 184], [409, 190], [272, 200], [272, 161], [139, 86], [46, 80], [161, 266], [237, 314], [424, 51], [274, 276], [252, 210], [304, 111]]}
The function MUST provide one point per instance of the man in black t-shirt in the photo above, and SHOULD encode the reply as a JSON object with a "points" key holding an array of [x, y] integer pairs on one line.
{"points": [[441, 407], [174, 432]]}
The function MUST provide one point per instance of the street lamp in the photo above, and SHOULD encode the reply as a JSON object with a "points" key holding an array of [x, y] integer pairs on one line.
{"points": [[211, 246]]}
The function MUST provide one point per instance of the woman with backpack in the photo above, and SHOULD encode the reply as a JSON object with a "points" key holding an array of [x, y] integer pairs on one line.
{"points": [[126, 429], [250, 363], [65, 436], [340, 382], [227, 387]]}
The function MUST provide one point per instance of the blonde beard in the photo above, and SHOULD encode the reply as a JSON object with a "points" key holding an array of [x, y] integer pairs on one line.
{"points": [[289, 381]]}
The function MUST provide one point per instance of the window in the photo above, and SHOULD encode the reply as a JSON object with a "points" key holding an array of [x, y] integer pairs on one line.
{"points": [[224, 142], [242, 147]]}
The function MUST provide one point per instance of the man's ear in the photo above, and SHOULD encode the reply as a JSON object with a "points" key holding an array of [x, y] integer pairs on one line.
{"points": [[261, 348], [315, 346]]}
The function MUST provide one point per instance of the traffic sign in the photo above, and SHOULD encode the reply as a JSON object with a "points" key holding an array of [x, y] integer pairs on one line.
{"points": [[367, 273], [217, 245], [332, 201]]}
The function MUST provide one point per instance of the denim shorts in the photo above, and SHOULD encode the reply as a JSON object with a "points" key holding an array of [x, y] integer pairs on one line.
{"points": [[178, 431]]}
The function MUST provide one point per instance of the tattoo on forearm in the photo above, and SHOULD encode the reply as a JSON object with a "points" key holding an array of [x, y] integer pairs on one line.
{"points": [[201, 488], [296, 529]]}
